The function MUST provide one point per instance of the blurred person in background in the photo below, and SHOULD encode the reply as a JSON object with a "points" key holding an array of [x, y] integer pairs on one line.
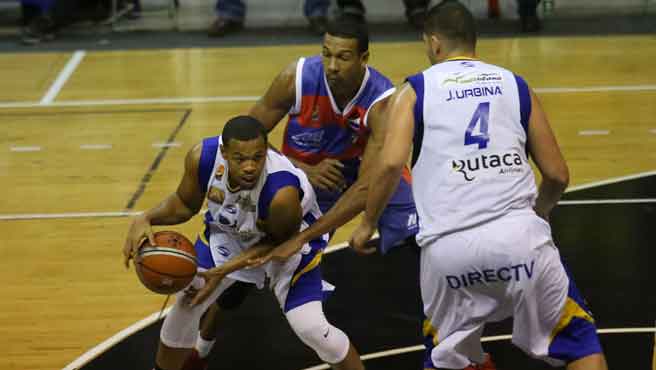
{"points": [[528, 15], [231, 15], [43, 19], [415, 11]]}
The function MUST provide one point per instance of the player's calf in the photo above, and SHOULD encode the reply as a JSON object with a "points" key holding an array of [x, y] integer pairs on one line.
{"points": [[596, 361]]}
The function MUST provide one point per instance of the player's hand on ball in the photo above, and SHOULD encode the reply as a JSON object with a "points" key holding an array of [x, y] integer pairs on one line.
{"points": [[212, 278], [360, 239], [139, 230], [189, 294]]}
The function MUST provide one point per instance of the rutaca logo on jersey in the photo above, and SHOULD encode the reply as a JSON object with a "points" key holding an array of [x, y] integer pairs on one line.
{"points": [[488, 165]]}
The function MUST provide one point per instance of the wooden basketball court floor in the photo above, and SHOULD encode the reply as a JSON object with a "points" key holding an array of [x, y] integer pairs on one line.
{"points": [[88, 138]]}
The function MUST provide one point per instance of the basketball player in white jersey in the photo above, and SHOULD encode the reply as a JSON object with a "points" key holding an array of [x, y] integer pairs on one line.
{"points": [[256, 199], [486, 246]]}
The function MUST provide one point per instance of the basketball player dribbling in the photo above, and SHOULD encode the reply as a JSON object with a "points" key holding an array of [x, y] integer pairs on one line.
{"points": [[256, 199]]}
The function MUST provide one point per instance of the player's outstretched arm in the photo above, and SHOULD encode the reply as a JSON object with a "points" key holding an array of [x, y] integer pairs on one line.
{"points": [[394, 155], [284, 220], [213, 277], [546, 154], [353, 201], [177, 208], [278, 99]]}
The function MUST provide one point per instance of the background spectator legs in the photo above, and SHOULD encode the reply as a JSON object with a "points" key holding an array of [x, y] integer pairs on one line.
{"points": [[528, 15], [230, 18]]}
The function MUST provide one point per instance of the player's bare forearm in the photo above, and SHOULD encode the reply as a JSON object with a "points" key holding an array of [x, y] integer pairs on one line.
{"points": [[386, 178], [277, 100], [398, 141], [349, 205], [548, 196], [241, 260], [171, 211], [546, 154]]}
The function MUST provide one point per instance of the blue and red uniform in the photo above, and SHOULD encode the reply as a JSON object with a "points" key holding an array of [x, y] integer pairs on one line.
{"points": [[318, 129]]}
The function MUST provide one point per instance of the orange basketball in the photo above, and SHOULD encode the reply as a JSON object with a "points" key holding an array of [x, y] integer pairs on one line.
{"points": [[168, 266]]}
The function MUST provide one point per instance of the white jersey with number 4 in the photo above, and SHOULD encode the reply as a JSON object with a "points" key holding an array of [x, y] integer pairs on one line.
{"points": [[470, 161]]}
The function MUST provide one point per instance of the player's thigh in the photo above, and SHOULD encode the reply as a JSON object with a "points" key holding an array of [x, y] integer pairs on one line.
{"points": [[455, 308], [551, 318], [298, 280]]}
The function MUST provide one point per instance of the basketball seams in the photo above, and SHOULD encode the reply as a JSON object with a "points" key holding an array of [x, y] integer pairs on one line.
{"points": [[167, 266], [165, 274], [149, 251]]}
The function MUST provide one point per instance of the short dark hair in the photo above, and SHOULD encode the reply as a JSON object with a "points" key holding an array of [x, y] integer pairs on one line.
{"points": [[350, 29], [453, 20], [243, 128]]}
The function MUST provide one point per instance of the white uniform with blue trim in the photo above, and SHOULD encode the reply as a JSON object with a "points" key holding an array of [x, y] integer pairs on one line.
{"points": [[485, 254], [233, 216], [232, 227], [472, 164]]}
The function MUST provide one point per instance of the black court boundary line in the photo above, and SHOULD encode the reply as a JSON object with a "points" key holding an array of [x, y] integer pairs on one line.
{"points": [[153, 167], [82, 112]]}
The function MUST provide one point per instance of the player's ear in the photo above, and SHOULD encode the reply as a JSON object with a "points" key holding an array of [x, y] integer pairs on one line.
{"points": [[224, 151], [435, 44]]}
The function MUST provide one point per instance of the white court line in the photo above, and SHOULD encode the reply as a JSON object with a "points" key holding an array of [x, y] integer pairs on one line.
{"points": [[613, 180], [237, 98], [551, 90], [38, 216], [166, 145], [95, 146], [63, 77], [606, 201], [154, 101], [399, 351], [33, 216], [593, 132], [25, 148], [97, 350]]}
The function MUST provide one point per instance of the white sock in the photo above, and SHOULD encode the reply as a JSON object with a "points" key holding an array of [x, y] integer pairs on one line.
{"points": [[204, 346]]}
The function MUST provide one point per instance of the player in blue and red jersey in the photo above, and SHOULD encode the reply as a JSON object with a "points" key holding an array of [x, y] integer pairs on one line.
{"points": [[327, 98]]}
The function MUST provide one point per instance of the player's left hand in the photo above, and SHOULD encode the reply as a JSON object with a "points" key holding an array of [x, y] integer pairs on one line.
{"points": [[212, 278], [360, 238], [542, 213], [280, 253]]}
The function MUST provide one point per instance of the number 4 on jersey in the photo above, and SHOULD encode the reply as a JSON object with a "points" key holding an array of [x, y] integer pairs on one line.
{"points": [[481, 115]]}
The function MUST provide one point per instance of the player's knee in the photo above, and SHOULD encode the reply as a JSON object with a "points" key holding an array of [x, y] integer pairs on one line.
{"points": [[329, 342], [311, 326]]}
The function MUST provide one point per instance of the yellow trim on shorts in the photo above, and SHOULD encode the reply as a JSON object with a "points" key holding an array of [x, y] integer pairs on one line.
{"points": [[314, 263], [428, 329], [570, 311]]}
